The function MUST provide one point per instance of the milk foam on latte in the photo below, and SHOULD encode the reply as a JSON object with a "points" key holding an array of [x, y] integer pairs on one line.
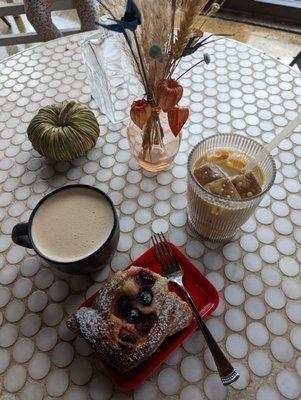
{"points": [[72, 224]]}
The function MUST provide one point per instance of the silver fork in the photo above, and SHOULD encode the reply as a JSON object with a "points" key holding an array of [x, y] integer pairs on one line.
{"points": [[172, 270]]}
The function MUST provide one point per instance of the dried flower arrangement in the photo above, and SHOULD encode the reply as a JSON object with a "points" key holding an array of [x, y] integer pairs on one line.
{"points": [[156, 48]]}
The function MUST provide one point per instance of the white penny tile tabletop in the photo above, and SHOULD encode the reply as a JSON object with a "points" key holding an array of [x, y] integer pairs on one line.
{"points": [[258, 320]]}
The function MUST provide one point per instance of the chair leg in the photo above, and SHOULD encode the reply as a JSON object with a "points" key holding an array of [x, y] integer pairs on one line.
{"points": [[88, 12], [296, 60], [5, 20], [39, 15], [20, 23]]}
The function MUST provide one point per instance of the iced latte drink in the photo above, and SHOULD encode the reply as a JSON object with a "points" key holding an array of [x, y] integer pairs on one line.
{"points": [[221, 196]]}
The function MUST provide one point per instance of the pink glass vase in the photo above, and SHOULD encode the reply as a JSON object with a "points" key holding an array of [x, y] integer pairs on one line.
{"points": [[155, 146]]}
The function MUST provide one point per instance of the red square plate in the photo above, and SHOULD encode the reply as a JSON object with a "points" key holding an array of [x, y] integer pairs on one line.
{"points": [[202, 292]]}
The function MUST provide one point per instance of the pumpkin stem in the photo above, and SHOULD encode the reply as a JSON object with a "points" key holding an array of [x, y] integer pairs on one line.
{"points": [[64, 112]]}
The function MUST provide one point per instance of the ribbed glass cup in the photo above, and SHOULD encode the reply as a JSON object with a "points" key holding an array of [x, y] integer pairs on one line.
{"points": [[214, 217]]}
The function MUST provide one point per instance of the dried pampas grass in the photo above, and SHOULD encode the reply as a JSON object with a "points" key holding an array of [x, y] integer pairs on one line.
{"points": [[160, 20]]}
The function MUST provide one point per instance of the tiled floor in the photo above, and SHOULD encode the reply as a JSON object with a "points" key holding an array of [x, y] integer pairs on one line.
{"points": [[279, 44]]}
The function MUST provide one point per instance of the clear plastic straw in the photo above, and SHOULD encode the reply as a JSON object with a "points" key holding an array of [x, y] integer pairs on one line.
{"points": [[273, 143]]}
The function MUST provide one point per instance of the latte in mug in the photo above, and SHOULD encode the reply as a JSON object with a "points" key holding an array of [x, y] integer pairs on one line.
{"points": [[74, 228], [72, 224]]}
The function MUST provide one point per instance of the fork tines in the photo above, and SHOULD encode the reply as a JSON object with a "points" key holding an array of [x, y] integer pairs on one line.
{"points": [[232, 377], [165, 254]]}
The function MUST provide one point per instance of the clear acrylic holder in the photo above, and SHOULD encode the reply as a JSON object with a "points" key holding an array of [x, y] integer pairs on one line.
{"points": [[113, 81]]}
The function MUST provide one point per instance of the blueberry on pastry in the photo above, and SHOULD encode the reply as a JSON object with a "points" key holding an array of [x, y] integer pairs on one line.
{"points": [[131, 316]]}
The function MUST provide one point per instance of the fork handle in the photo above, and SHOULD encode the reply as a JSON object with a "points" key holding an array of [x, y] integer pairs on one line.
{"points": [[226, 371]]}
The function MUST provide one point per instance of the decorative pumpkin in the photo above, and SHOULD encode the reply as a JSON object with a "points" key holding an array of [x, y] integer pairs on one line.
{"points": [[63, 131]]}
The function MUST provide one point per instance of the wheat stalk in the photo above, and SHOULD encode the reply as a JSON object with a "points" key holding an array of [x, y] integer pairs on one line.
{"points": [[214, 8], [192, 9], [155, 29]]}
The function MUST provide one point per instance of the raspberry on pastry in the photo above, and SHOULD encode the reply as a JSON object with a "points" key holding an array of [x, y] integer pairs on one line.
{"points": [[127, 326]]}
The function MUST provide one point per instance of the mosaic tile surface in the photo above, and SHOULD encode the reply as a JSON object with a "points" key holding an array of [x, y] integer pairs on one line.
{"points": [[258, 320]]}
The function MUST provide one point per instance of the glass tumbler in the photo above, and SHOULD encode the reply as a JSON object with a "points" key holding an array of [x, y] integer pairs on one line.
{"points": [[213, 217], [162, 153]]}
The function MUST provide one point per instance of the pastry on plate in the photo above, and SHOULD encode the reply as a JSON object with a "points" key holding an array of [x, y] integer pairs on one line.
{"points": [[131, 316]]}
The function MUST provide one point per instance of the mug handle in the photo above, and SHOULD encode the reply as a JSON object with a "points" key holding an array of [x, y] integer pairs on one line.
{"points": [[20, 235]]}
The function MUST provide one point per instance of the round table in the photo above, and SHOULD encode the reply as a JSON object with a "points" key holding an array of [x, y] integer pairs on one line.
{"points": [[258, 318]]}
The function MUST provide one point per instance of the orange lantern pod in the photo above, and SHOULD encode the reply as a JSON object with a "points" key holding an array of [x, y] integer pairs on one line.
{"points": [[169, 92], [140, 112], [177, 117]]}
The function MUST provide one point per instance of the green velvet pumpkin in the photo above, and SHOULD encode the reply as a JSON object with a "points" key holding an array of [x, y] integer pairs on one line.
{"points": [[63, 131]]}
